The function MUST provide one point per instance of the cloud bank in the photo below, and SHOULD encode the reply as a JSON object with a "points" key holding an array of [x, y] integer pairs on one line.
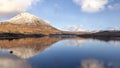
{"points": [[15, 6], [91, 6]]}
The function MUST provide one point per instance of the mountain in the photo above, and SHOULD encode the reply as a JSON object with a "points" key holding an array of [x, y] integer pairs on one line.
{"points": [[25, 23], [27, 19]]}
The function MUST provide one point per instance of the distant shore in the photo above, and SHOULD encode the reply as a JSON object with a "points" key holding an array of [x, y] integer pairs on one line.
{"points": [[18, 35], [101, 34]]}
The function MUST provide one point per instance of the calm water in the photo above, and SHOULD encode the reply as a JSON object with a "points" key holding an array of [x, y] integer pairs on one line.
{"points": [[66, 53]]}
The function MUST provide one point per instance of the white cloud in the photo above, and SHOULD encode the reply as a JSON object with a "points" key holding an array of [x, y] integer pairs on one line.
{"points": [[91, 6], [114, 7], [15, 6]]}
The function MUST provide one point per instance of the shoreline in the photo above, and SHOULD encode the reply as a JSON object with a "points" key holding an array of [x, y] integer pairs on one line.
{"points": [[11, 36]]}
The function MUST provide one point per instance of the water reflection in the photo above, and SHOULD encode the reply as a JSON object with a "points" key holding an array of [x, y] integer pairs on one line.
{"points": [[27, 47], [94, 63], [67, 53], [8, 60], [76, 41], [114, 42], [91, 63]]}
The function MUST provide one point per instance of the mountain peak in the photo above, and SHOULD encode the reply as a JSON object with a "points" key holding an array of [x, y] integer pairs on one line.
{"points": [[27, 18]]}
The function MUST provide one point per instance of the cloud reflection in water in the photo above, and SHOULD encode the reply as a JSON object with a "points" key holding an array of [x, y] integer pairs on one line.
{"points": [[94, 63]]}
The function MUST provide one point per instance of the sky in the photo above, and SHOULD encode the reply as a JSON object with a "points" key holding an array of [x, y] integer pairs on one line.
{"points": [[70, 15]]}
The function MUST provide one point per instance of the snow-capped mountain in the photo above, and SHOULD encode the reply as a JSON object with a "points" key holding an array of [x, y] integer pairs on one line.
{"points": [[26, 18], [75, 28], [25, 23]]}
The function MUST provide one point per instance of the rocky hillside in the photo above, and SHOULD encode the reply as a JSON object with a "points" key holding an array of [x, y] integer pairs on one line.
{"points": [[26, 23]]}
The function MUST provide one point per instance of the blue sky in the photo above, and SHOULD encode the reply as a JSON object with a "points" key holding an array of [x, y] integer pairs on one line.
{"points": [[84, 14]]}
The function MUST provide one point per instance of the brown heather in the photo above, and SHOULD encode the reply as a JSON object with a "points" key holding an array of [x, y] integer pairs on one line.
{"points": [[7, 27]]}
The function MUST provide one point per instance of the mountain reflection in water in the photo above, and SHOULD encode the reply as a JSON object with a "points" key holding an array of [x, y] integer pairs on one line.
{"points": [[66, 52], [27, 47]]}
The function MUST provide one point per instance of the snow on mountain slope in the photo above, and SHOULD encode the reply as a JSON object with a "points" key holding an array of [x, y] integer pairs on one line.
{"points": [[28, 19]]}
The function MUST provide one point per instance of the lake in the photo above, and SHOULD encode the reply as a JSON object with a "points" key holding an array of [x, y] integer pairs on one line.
{"points": [[48, 52]]}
